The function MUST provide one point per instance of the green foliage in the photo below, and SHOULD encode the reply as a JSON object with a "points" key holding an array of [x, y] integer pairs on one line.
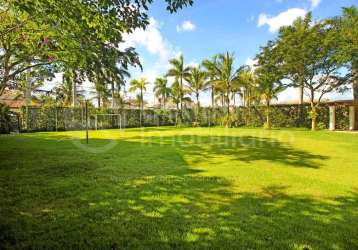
{"points": [[180, 72], [4, 119], [82, 36], [308, 50], [161, 90]]}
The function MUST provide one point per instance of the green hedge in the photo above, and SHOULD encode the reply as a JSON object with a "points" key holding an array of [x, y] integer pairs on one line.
{"points": [[60, 118]]}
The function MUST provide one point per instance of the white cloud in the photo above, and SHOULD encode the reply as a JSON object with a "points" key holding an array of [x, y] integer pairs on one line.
{"points": [[314, 3], [193, 64], [186, 26], [151, 39], [282, 19], [251, 62]]}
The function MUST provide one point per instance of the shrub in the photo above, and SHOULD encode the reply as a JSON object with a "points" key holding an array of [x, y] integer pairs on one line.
{"points": [[5, 119]]}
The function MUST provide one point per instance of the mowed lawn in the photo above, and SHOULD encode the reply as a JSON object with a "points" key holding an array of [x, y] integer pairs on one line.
{"points": [[179, 188]]}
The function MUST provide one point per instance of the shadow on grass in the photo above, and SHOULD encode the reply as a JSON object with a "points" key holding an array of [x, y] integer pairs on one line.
{"points": [[145, 196], [239, 148]]}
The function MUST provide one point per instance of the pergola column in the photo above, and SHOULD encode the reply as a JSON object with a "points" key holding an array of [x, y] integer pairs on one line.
{"points": [[352, 117], [332, 118]]}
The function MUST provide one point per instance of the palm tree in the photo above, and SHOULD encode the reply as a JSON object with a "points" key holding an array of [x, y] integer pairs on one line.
{"points": [[161, 90], [197, 83], [180, 72], [227, 78], [177, 97], [268, 91], [247, 91], [141, 86], [210, 67], [116, 79]]}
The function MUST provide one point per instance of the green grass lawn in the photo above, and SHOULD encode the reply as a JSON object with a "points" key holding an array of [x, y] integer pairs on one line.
{"points": [[191, 188]]}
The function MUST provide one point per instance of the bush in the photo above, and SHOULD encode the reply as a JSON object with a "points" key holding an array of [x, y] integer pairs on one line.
{"points": [[5, 119]]}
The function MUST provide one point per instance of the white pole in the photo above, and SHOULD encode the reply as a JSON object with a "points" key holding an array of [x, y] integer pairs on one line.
{"points": [[332, 118]]}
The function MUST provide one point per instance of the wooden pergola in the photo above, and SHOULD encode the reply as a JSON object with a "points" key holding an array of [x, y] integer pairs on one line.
{"points": [[352, 113]]}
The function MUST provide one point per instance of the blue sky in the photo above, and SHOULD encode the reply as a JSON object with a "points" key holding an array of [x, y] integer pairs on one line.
{"points": [[216, 26]]}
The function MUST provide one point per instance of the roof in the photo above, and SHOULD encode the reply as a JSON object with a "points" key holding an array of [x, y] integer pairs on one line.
{"points": [[12, 99], [329, 102], [9, 98]]}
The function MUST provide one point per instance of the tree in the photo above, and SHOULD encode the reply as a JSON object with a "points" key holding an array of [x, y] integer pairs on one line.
{"points": [[180, 72], [227, 77], [269, 75], [141, 86], [161, 90], [75, 34], [23, 44], [197, 81], [292, 45], [321, 69], [177, 98], [210, 67], [345, 33], [247, 90]]}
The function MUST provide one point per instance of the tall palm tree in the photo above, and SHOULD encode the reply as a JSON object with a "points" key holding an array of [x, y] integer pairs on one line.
{"points": [[177, 98], [210, 67], [161, 90], [247, 92], [180, 72], [141, 86], [116, 80], [268, 91], [197, 80], [247, 86], [227, 78]]}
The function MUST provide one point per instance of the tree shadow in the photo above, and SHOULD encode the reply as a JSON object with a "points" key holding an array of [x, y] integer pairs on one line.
{"points": [[146, 196], [246, 149]]}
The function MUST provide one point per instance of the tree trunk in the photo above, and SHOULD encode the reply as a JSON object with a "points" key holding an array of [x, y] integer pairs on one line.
{"points": [[113, 99], [212, 98], [313, 116], [228, 122], [197, 107], [141, 108], [300, 101], [181, 99], [99, 100], [268, 121], [213, 108], [249, 106], [355, 89], [164, 100], [6, 73], [176, 115], [74, 90]]}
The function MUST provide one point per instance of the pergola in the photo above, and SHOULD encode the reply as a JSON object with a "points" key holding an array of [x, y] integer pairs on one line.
{"points": [[352, 113]]}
